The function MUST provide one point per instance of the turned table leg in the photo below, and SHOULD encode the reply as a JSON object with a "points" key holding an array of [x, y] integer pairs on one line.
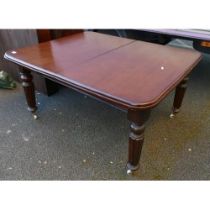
{"points": [[136, 137], [179, 95], [28, 86]]}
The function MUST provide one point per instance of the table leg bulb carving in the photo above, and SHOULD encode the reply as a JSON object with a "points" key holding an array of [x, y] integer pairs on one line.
{"points": [[29, 90], [179, 95], [136, 138]]}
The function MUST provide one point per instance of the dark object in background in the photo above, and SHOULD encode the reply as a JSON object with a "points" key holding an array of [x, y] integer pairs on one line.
{"points": [[202, 46], [199, 37], [137, 35], [6, 82]]}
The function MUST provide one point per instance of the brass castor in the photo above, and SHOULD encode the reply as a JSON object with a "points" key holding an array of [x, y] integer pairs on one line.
{"points": [[129, 172], [172, 115], [35, 116], [130, 169], [174, 112]]}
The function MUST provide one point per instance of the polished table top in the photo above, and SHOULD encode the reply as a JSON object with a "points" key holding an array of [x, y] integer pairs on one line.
{"points": [[130, 73]]}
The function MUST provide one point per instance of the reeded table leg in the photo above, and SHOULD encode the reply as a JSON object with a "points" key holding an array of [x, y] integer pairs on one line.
{"points": [[28, 87], [136, 137], [179, 95]]}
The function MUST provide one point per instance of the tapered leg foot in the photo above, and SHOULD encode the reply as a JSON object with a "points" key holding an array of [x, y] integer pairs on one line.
{"points": [[179, 95], [28, 86], [136, 138]]}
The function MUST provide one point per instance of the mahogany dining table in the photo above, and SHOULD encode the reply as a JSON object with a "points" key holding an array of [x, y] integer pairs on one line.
{"points": [[134, 76]]}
